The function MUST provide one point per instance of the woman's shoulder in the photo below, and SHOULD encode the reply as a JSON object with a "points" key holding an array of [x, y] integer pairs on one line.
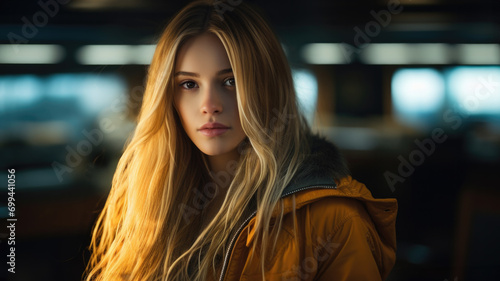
{"points": [[336, 206], [329, 214]]}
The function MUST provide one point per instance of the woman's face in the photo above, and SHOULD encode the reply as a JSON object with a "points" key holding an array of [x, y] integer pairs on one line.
{"points": [[205, 96]]}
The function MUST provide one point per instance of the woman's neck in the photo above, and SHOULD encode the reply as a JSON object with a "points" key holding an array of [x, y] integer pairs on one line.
{"points": [[223, 166]]}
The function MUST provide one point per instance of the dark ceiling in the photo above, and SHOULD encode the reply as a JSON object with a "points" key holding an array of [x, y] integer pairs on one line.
{"points": [[139, 21]]}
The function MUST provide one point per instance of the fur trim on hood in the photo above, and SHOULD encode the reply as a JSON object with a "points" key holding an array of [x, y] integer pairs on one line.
{"points": [[324, 165]]}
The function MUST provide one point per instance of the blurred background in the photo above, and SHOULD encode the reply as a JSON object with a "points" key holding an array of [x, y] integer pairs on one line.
{"points": [[409, 90]]}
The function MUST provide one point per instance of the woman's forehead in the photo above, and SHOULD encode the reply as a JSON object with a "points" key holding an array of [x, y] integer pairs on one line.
{"points": [[202, 53]]}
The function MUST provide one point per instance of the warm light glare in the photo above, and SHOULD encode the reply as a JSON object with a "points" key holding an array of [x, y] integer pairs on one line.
{"points": [[144, 54], [478, 53], [400, 54], [431, 53], [115, 54], [31, 54], [324, 53], [406, 54], [386, 54]]}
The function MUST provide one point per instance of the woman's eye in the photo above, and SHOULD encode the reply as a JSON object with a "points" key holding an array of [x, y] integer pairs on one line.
{"points": [[229, 82], [188, 85]]}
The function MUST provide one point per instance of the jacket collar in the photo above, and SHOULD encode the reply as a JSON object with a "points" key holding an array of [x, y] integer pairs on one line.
{"points": [[323, 166]]}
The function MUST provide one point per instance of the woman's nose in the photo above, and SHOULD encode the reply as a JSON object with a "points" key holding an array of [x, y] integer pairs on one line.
{"points": [[212, 103]]}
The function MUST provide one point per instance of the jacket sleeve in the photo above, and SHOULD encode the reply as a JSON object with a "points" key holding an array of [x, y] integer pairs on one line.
{"points": [[346, 248]]}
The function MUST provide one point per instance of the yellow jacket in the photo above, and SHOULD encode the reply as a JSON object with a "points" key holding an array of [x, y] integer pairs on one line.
{"points": [[343, 233]]}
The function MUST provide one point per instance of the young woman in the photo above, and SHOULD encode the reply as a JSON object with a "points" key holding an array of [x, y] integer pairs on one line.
{"points": [[223, 180]]}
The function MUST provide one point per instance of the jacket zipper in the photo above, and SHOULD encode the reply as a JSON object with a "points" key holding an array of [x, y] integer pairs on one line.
{"points": [[235, 236]]}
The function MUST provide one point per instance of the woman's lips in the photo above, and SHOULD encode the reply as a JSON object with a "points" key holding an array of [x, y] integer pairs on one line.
{"points": [[213, 129], [213, 132]]}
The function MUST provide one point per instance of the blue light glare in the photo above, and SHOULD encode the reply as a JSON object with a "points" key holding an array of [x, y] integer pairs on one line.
{"points": [[58, 100], [93, 93], [417, 95], [475, 90], [19, 91], [306, 88]]}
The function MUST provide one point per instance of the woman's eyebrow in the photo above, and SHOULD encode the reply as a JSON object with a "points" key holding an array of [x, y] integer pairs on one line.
{"points": [[224, 71], [186, 73]]}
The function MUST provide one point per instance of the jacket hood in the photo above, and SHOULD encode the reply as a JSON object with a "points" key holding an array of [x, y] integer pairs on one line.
{"points": [[323, 166], [324, 174]]}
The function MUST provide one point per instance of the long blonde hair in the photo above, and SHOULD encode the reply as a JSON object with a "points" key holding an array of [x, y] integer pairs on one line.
{"points": [[149, 228]]}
